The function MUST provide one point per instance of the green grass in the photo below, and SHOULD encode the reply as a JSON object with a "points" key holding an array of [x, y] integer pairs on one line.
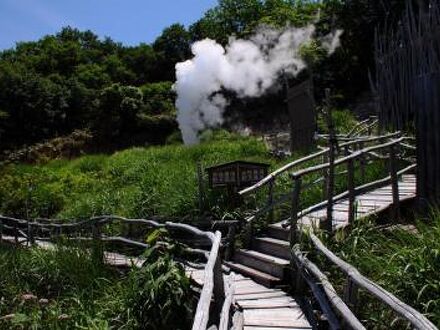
{"points": [[138, 182], [67, 288], [404, 262]]}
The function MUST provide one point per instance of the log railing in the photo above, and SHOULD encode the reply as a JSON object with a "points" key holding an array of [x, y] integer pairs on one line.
{"points": [[286, 169], [346, 306], [351, 158], [37, 232], [385, 148]]}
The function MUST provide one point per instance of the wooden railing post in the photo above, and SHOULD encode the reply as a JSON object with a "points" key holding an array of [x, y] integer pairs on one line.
{"points": [[351, 294], [351, 191], [16, 234], [294, 211], [31, 240], [330, 190], [98, 253], [270, 199], [362, 161], [219, 285], [297, 282], [325, 176], [350, 298], [331, 157], [231, 242], [394, 183], [248, 233]]}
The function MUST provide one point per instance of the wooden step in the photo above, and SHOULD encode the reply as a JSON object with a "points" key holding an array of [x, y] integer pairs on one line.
{"points": [[292, 317], [278, 232], [273, 246], [258, 276], [277, 302], [264, 262]]}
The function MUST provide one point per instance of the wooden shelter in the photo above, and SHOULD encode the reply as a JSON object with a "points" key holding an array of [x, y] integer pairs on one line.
{"points": [[237, 174]]}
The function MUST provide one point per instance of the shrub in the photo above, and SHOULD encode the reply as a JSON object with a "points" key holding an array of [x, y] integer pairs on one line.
{"points": [[159, 292]]}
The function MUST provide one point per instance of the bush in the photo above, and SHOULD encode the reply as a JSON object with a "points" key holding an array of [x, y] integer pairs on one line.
{"points": [[159, 292]]}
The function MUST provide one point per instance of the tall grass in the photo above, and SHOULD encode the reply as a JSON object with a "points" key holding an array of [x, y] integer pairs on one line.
{"points": [[138, 182], [67, 288], [405, 260]]}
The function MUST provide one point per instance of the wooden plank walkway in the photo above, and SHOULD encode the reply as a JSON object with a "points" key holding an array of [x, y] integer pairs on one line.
{"points": [[368, 204], [258, 307]]}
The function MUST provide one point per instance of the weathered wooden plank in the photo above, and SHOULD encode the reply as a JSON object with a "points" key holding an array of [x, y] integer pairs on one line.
{"points": [[280, 317], [273, 328], [268, 303], [248, 290], [346, 208], [262, 295]]}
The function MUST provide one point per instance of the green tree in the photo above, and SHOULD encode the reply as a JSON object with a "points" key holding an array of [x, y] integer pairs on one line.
{"points": [[117, 108], [159, 98], [172, 46]]}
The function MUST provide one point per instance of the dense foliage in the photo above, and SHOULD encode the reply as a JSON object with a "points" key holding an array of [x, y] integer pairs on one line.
{"points": [[74, 80], [67, 288]]}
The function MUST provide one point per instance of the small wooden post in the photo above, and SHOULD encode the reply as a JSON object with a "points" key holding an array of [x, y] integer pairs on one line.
{"points": [[97, 248], [248, 233], [219, 287], [270, 199], [16, 234], [31, 239], [201, 190], [231, 242], [325, 175], [294, 212], [362, 161], [351, 294], [331, 170], [394, 183], [351, 191], [1, 230]]}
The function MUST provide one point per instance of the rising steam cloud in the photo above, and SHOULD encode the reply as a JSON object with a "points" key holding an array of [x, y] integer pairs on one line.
{"points": [[247, 67]]}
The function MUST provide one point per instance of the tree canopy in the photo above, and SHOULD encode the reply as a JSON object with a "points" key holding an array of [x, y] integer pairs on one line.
{"points": [[76, 80]]}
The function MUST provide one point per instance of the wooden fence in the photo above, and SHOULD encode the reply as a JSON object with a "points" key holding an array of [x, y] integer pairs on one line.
{"points": [[387, 147], [213, 290], [359, 151], [308, 271]]}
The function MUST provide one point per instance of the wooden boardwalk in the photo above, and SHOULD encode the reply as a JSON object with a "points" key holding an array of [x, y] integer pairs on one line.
{"points": [[368, 204], [258, 307]]}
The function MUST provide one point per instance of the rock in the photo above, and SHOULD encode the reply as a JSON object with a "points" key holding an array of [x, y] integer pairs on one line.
{"points": [[28, 297]]}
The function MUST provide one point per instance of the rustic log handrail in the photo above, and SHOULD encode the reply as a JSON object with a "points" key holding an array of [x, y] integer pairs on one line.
{"points": [[338, 304], [417, 319], [339, 161], [226, 309], [213, 287], [303, 160], [356, 190]]}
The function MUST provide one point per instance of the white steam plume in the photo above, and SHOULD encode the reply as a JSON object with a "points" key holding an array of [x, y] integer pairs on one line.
{"points": [[247, 67]]}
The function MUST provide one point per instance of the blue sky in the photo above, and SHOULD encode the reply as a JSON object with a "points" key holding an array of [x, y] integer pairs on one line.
{"points": [[127, 21]]}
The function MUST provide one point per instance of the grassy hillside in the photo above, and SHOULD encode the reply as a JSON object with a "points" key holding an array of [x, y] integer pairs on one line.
{"points": [[138, 182]]}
